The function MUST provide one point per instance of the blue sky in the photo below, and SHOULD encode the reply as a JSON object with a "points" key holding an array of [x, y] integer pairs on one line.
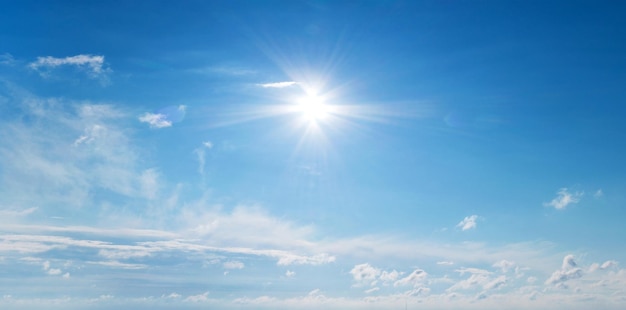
{"points": [[312, 154]]}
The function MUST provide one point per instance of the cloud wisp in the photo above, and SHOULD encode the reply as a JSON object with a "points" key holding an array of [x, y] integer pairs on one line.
{"points": [[92, 65], [278, 84], [469, 222], [563, 199]]}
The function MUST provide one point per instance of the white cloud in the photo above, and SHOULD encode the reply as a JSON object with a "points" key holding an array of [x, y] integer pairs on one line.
{"points": [[278, 84], [17, 212], [201, 155], [496, 283], [415, 278], [569, 270], [155, 120], [120, 265], [608, 264], [49, 270], [290, 274], [445, 263], [389, 276], [364, 273], [504, 265], [92, 64], [372, 290], [233, 265], [198, 298], [469, 222], [292, 259], [563, 199]]}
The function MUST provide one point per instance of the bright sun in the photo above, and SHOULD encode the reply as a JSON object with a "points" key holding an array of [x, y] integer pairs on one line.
{"points": [[313, 108]]}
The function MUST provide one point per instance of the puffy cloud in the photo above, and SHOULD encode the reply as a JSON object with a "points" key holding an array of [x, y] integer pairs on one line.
{"points": [[569, 270], [606, 265], [364, 273], [389, 276], [563, 199], [468, 222], [290, 274]]}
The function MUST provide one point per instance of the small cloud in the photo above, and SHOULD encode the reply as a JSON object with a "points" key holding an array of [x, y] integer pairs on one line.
{"points": [[504, 265], [468, 222], [92, 64], [563, 199], [608, 264], [207, 144], [364, 273], [51, 271], [598, 194], [372, 290], [278, 84], [445, 263], [66, 275], [164, 117], [290, 274], [17, 213], [155, 120], [417, 276], [233, 265], [389, 276], [198, 298]]}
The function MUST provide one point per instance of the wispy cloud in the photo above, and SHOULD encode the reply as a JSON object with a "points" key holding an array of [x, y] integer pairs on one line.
{"points": [[598, 194], [93, 65], [7, 59], [278, 84], [165, 117], [201, 155], [223, 70], [563, 199], [469, 222], [233, 265], [155, 120]]}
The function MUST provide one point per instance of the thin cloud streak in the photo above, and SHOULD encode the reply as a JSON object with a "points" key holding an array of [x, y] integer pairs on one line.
{"points": [[278, 84]]}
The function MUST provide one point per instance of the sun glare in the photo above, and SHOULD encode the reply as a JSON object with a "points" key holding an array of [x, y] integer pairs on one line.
{"points": [[313, 108]]}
